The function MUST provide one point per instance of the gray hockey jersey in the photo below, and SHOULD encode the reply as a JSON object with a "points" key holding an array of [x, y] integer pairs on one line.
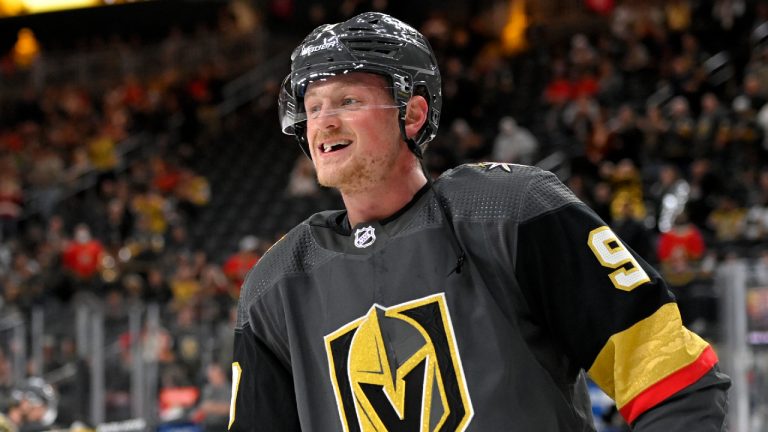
{"points": [[477, 307]]}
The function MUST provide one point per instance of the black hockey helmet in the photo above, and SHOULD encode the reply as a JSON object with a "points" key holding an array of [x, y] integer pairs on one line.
{"points": [[370, 42], [36, 391]]}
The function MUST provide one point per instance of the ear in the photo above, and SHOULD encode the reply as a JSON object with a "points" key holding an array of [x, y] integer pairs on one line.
{"points": [[415, 115]]}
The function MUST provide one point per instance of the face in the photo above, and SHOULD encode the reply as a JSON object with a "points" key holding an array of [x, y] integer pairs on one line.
{"points": [[353, 132]]}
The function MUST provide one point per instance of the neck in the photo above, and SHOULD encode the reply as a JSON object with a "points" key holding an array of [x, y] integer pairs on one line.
{"points": [[382, 200]]}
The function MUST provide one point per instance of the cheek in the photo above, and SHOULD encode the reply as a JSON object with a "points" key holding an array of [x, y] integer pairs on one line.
{"points": [[383, 129], [310, 132]]}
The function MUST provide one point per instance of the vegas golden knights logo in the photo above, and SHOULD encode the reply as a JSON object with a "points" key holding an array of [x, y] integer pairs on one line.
{"points": [[398, 369]]}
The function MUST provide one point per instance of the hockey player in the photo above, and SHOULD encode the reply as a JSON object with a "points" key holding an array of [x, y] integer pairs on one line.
{"points": [[472, 303]]}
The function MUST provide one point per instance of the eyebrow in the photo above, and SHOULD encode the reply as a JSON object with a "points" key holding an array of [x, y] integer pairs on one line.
{"points": [[342, 88]]}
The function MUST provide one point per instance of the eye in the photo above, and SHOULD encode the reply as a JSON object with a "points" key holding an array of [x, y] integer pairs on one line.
{"points": [[313, 110], [349, 101]]}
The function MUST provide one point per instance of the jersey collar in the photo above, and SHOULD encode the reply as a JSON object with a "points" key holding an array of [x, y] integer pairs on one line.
{"points": [[332, 230]]}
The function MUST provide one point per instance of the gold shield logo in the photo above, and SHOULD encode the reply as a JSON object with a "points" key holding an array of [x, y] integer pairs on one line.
{"points": [[398, 369]]}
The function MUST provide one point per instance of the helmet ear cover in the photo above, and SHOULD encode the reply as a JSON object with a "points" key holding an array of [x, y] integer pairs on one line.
{"points": [[370, 42]]}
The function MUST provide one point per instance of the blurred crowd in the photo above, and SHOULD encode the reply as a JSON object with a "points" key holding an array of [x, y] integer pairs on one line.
{"points": [[656, 117], [655, 113], [98, 189]]}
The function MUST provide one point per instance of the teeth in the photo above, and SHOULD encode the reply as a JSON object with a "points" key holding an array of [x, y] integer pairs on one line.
{"points": [[329, 146]]}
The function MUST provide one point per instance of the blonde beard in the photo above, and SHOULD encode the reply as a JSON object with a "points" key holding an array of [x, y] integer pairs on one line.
{"points": [[359, 174]]}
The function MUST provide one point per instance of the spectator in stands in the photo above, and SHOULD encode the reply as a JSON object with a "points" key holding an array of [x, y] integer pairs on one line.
{"points": [[745, 145], [167, 251], [302, 181], [728, 220], [103, 153], [626, 138], [158, 290], [46, 179], [683, 236], [465, 141], [116, 226], [753, 93], [705, 183], [193, 192], [558, 90], [188, 335], [654, 126], [582, 55], [669, 194], [761, 268], [514, 143], [215, 295], [601, 199], [6, 375], [691, 52], [74, 387], [117, 382], [238, 264], [165, 175], [55, 234], [24, 283], [184, 283], [11, 200], [680, 249], [626, 188], [213, 410], [636, 66], [610, 83], [711, 127], [685, 79], [581, 117], [678, 16], [757, 214], [762, 120], [82, 257], [677, 142], [151, 209]]}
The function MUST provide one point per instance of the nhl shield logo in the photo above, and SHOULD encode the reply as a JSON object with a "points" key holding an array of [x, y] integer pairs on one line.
{"points": [[365, 237]]}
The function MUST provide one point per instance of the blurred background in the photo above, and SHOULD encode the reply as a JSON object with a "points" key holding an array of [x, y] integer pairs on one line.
{"points": [[142, 173]]}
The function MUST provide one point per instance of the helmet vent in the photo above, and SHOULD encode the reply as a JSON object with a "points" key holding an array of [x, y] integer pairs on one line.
{"points": [[361, 26], [384, 48]]}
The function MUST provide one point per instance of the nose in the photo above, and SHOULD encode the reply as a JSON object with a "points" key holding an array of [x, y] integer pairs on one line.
{"points": [[326, 119]]}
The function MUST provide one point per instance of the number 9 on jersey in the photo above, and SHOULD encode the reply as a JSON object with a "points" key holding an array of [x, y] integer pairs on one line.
{"points": [[612, 254]]}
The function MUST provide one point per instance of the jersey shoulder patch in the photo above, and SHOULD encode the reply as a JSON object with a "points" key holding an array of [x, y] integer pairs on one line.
{"points": [[493, 190]]}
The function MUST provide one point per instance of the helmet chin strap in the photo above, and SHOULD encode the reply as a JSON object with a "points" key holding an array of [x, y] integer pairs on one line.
{"points": [[441, 202], [412, 145], [415, 148]]}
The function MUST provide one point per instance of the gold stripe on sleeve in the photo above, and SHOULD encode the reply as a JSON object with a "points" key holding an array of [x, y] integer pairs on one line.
{"points": [[642, 355]]}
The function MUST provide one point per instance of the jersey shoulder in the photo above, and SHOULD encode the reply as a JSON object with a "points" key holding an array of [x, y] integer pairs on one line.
{"points": [[491, 190], [296, 253]]}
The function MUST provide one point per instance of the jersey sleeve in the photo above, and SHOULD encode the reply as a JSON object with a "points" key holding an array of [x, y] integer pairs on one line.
{"points": [[609, 310], [263, 395], [263, 398]]}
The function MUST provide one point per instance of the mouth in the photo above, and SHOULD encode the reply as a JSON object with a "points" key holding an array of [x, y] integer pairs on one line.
{"points": [[333, 146]]}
